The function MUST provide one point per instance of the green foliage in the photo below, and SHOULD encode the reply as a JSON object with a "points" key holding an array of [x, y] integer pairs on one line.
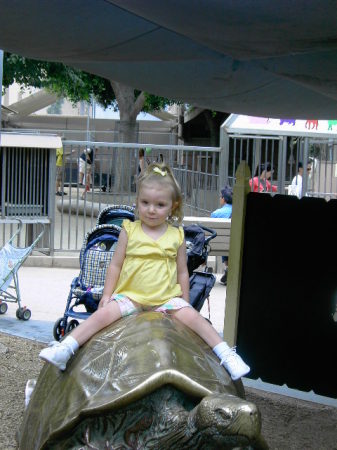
{"points": [[155, 103], [68, 82]]}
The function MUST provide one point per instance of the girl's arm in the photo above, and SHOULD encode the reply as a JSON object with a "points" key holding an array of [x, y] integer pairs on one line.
{"points": [[114, 269], [182, 272]]}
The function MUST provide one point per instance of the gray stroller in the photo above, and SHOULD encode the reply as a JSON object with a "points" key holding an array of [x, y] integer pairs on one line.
{"points": [[11, 259]]}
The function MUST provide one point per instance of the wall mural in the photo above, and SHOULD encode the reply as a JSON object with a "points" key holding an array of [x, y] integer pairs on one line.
{"points": [[283, 125]]}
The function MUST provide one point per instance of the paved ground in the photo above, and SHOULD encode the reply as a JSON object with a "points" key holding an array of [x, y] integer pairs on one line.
{"points": [[45, 290]]}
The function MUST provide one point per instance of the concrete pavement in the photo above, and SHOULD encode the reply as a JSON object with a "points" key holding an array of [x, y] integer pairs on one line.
{"points": [[44, 290]]}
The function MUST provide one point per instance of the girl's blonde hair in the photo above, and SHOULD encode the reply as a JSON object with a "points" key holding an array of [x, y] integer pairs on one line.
{"points": [[162, 173]]}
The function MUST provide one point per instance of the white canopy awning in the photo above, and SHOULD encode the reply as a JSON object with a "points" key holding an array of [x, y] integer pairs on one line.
{"points": [[240, 124], [29, 141]]}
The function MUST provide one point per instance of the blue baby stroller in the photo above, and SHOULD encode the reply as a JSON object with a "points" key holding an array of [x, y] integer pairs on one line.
{"points": [[11, 259], [197, 248], [95, 256]]}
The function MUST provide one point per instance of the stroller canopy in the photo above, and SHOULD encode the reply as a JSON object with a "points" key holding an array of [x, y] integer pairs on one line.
{"points": [[196, 247], [115, 214]]}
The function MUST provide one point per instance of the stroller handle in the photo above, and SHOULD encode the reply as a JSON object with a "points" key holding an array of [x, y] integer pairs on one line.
{"points": [[19, 228], [211, 231]]}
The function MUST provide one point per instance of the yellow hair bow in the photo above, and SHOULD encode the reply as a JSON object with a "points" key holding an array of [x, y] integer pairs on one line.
{"points": [[163, 173]]}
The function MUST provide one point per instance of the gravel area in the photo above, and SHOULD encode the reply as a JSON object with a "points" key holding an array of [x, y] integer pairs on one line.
{"points": [[287, 423], [19, 362]]}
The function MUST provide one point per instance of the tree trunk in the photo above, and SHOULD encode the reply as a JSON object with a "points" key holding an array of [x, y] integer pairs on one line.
{"points": [[213, 127], [129, 107]]}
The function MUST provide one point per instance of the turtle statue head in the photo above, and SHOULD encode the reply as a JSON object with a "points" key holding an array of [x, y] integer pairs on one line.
{"points": [[227, 418]]}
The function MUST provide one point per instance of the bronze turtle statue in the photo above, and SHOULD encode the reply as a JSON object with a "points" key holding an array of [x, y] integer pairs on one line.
{"points": [[145, 382]]}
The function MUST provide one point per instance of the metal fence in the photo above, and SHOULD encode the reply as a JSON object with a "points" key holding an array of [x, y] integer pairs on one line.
{"points": [[26, 170], [25, 184], [284, 153], [201, 172], [113, 181]]}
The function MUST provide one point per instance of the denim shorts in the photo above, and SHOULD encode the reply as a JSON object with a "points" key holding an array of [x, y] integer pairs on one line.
{"points": [[127, 307]]}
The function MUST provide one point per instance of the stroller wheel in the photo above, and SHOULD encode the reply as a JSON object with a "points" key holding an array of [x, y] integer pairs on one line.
{"points": [[3, 308], [23, 314], [71, 325], [59, 329], [26, 314]]}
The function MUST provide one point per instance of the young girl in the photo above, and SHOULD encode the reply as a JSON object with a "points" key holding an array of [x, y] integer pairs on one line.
{"points": [[148, 271]]}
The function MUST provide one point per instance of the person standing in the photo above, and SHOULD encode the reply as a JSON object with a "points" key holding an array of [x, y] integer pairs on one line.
{"points": [[297, 182], [141, 162], [224, 212], [85, 164], [59, 172]]}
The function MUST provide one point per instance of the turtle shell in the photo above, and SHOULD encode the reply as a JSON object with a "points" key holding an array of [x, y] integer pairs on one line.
{"points": [[120, 365]]}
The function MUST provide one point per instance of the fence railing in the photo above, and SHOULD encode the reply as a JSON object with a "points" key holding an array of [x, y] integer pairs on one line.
{"points": [[154, 135], [284, 153], [201, 172], [113, 181]]}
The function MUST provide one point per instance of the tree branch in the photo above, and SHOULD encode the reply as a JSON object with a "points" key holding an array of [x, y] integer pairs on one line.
{"points": [[140, 102], [129, 106]]}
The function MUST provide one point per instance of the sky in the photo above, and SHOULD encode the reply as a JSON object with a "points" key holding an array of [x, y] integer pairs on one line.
{"points": [[110, 114]]}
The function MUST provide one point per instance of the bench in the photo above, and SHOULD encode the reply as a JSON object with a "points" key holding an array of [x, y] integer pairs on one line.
{"points": [[219, 246]]}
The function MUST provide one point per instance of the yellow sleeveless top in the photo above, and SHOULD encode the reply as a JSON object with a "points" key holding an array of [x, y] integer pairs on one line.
{"points": [[149, 272]]}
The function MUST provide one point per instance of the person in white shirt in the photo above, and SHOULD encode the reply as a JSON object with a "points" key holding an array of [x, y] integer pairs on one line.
{"points": [[296, 184]]}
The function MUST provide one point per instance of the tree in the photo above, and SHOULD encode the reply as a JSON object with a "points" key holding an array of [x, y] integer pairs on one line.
{"points": [[214, 120], [77, 85], [56, 108]]}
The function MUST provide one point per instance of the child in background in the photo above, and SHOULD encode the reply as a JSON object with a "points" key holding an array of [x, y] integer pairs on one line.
{"points": [[148, 271]]}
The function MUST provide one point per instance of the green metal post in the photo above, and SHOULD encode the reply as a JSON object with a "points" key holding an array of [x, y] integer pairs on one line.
{"points": [[240, 192]]}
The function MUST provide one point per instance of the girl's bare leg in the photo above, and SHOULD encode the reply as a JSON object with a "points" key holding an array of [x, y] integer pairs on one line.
{"points": [[191, 318], [96, 322]]}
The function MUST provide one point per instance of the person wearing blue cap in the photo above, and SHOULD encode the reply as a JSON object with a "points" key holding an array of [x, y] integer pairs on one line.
{"points": [[224, 212]]}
